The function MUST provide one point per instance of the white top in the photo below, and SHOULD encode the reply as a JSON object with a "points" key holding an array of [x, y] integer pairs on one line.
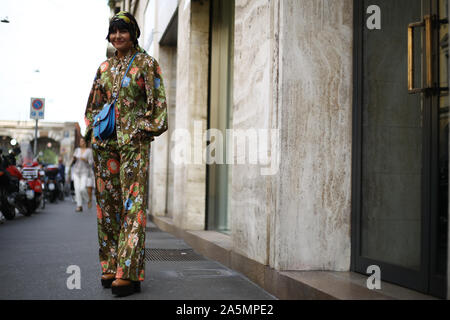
{"points": [[82, 167]]}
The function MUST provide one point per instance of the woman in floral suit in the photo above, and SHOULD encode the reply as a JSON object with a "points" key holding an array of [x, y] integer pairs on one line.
{"points": [[122, 160]]}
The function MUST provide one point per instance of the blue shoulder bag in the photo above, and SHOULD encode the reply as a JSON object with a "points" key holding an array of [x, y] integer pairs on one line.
{"points": [[104, 121]]}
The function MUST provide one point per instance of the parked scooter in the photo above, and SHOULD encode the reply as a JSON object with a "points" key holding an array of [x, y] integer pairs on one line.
{"points": [[54, 188], [34, 195]]}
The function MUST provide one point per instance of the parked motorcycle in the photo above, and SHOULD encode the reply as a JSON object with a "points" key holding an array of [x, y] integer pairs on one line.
{"points": [[6, 187], [32, 174], [54, 187], [13, 188]]}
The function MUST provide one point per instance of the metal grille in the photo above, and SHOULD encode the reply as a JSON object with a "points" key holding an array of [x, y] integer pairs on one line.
{"points": [[172, 255]]}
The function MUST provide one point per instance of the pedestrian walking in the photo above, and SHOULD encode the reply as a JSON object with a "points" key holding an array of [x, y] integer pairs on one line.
{"points": [[132, 81], [81, 172], [62, 176], [62, 169]]}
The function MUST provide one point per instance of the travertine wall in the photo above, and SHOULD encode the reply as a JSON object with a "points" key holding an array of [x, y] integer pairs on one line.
{"points": [[170, 76], [252, 203], [314, 196], [159, 187], [161, 177], [189, 192], [296, 75]]}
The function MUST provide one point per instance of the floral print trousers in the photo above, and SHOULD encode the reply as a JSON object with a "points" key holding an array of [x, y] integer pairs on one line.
{"points": [[121, 174]]}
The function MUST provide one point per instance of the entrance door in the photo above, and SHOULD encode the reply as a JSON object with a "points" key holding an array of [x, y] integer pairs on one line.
{"points": [[400, 173]]}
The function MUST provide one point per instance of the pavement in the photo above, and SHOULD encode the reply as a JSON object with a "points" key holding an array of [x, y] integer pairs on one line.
{"points": [[43, 257]]}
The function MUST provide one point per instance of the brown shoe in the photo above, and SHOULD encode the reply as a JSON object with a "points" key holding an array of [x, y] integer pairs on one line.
{"points": [[79, 209], [122, 288], [90, 204], [107, 279]]}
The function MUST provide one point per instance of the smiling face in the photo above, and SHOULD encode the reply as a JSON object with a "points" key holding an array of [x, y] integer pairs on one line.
{"points": [[121, 40]]}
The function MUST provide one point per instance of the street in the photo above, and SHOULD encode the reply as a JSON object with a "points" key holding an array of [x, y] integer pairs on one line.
{"points": [[36, 252]]}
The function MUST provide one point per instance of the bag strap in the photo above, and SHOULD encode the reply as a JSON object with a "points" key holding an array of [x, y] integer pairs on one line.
{"points": [[121, 83]]}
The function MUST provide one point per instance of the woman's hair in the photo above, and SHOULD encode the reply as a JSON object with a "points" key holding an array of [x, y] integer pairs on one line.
{"points": [[86, 142], [118, 23]]}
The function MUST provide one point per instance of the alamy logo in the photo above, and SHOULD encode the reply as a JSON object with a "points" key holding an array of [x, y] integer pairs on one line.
{"points": [[73, 281], [234, 146], [374, 281]]}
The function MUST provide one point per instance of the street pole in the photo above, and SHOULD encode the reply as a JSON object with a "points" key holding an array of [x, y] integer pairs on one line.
{"points": [[35, 138], [36, 112]]}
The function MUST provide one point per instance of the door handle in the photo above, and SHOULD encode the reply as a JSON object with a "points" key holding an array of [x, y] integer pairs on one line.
{"points": [[427, 23]]}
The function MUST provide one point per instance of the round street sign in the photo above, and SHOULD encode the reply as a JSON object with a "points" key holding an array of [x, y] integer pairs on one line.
{"points": [[37, 104]]}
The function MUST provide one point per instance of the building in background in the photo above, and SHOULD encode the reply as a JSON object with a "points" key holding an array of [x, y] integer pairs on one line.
{"points": [[54, 138], [361, 139]]}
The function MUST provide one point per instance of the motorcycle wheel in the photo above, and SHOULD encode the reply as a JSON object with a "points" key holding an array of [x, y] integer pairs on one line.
{"points": [[21, 208], [9, 212]]}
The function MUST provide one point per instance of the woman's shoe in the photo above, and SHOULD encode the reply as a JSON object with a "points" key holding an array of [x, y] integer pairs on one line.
{"points": [[122, 288], [79, 209], [90, 204], [107, 280]]}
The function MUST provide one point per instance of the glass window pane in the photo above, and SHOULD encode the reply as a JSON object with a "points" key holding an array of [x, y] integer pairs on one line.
{"points": [[391, 139]]}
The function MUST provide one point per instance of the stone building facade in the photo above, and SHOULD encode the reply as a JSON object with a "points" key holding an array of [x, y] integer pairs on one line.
{"points": [[342, 172], [60, 137]]}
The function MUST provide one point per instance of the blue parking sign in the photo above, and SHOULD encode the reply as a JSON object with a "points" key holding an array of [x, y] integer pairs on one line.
{"points": [[37, 107]]}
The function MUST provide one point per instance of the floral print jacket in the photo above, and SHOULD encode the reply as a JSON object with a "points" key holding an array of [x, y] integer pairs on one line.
{"points": [[141, 109]]}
